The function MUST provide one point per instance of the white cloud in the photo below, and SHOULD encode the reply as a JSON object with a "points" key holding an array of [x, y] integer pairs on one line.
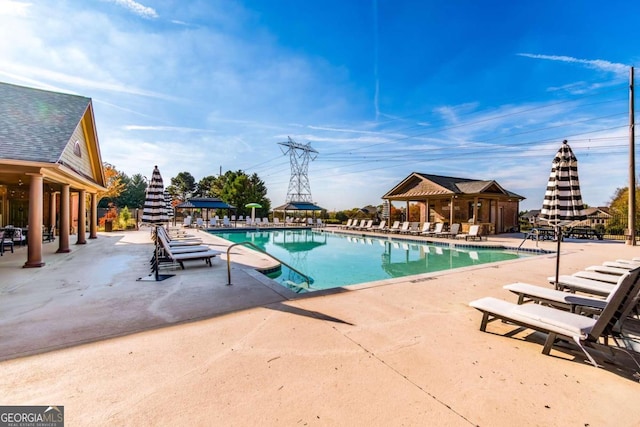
{"points": [[137, 8], [620, 70], [14, 8]]}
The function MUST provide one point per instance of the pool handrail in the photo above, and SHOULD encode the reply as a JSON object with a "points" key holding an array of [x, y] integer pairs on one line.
{"points": [[254, 246]]}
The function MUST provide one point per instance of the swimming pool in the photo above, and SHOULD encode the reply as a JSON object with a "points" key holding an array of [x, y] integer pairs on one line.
{"points": [[334, 259]]}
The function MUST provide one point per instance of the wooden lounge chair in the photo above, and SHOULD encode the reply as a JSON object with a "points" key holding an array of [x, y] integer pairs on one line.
{"points": [[558, 324]]}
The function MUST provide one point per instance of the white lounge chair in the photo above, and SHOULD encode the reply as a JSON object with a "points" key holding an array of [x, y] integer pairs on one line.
{"points": [[367, 226], [381, 227], [437, 229], [356, 225], [348, 224], [473, 234], [395, 227], [453, 231], [404, 228], [577, 303], [558, 324], [425, 228], [580, 284], [180, 258]]}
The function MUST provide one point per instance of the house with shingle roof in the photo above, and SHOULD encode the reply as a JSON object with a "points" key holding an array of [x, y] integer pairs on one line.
{"points": [[459, 200], [50, 166]]}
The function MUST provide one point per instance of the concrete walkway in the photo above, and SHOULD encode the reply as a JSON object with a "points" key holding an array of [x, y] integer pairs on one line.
{"points": [[192, 350]]}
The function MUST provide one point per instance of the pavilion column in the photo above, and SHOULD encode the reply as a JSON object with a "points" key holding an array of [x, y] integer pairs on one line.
{"points": [[64, 220], [93, 223], [82, 217], [52, 210], [407, 216], [34, 237], [451, 212], [475, 210]]}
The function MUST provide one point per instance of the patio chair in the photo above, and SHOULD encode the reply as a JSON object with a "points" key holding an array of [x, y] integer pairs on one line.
{"points": [[18, 237], [558, 324], [6, 240], [48, 234]]}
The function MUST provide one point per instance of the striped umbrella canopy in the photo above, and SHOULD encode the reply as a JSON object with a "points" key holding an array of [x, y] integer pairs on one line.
{"points": [[167, 200], [154, 211], [562, 201]]}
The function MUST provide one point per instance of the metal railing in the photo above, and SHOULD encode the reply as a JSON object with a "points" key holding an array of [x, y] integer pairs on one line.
{"points": [[307, 278]]}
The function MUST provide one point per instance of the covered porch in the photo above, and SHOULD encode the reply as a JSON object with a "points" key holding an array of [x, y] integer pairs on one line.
{"points": [[465, 201]]}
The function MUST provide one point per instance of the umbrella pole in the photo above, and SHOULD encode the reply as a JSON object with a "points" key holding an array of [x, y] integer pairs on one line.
{"points": [[559, 237]]}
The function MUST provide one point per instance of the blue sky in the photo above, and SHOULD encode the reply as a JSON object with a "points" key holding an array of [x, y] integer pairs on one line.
{"points": [[381, 89]]}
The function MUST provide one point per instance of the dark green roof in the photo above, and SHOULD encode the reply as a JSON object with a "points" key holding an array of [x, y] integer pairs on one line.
{"points": [[36, 125]]}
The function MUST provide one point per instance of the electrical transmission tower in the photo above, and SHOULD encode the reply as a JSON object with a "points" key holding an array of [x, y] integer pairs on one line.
{"points": [[299, 155]]}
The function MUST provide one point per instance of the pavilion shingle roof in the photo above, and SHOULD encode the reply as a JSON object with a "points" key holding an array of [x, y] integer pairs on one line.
{"points": [[437, 185], [36, 125]]}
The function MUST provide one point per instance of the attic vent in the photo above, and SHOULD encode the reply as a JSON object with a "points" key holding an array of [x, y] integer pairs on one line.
{"points": [[76, 149]]}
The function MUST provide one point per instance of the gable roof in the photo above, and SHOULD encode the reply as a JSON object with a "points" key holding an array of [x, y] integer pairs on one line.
{"points": [[36, 125], [420, 185], [40, 127]]}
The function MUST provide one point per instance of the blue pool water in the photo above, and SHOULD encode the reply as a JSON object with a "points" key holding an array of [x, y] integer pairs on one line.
{"points": [[333, 260]]}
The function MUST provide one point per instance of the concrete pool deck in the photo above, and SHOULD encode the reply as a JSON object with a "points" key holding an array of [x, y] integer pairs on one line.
{"points": [[83, 332]]}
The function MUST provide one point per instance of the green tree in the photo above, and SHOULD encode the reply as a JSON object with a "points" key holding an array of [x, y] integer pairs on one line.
{"points": [[182, 186], [239, 189], [619, 207], [134, 192], [113, 183], [207, 187]]}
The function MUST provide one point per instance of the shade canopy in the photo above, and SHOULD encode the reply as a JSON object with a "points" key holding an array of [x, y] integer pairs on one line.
{"points": [[298, 206], [562, 200], [205, 203], [253, 205], [154, 211]]}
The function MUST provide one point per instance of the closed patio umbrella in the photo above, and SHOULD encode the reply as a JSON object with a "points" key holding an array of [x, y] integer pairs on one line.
{"points": [[253, 207], [562, 200], [154, 211]]}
